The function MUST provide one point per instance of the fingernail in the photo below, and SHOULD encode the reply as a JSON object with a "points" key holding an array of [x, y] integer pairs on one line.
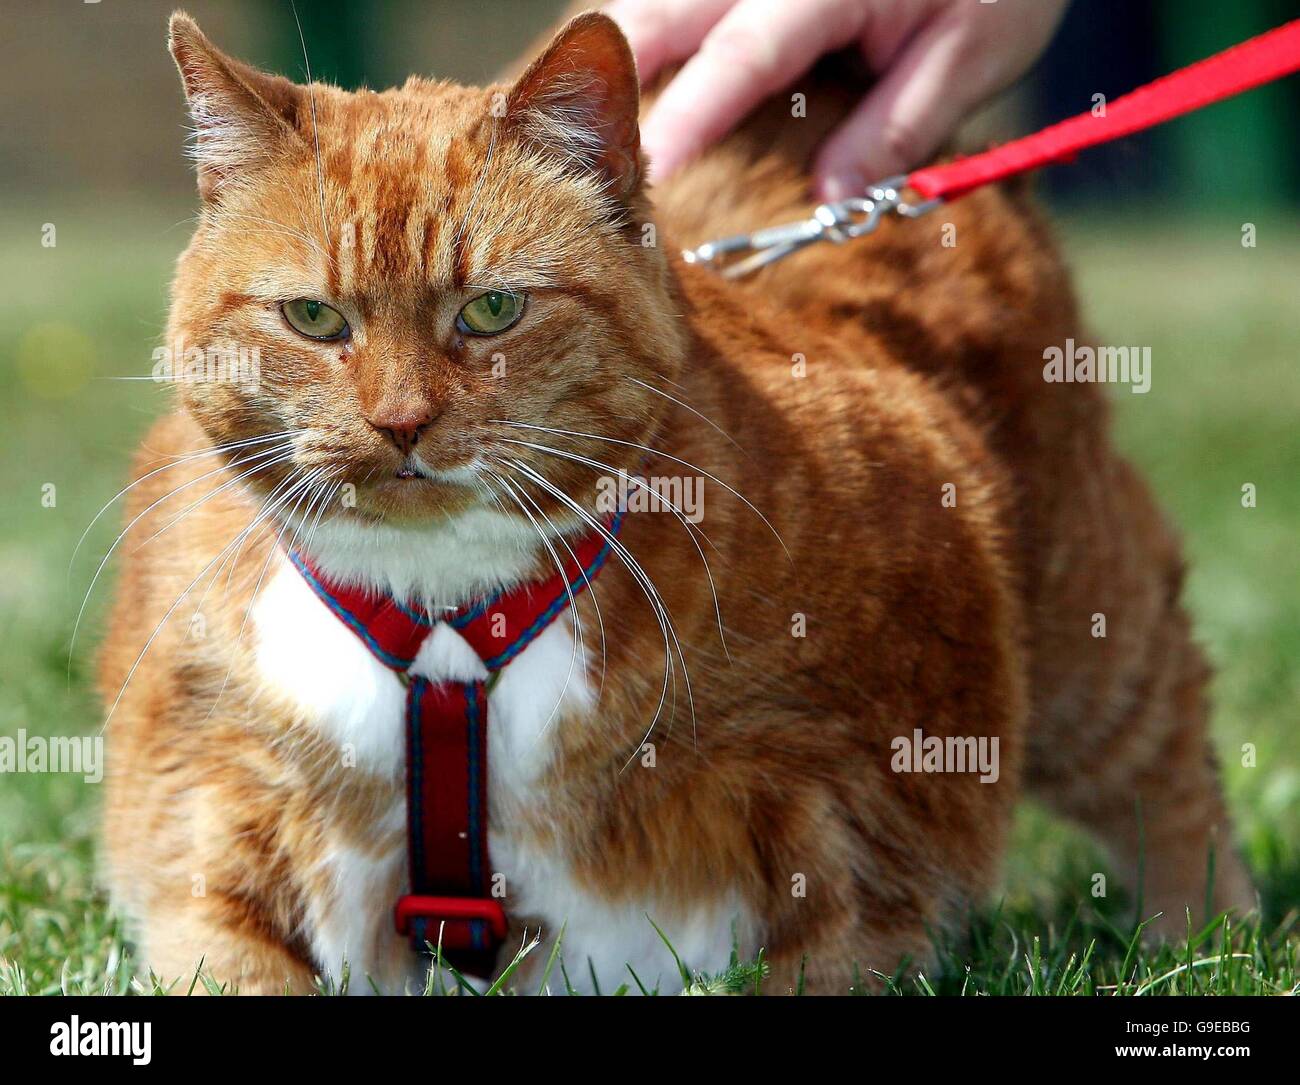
{"points": [[842, 185]]}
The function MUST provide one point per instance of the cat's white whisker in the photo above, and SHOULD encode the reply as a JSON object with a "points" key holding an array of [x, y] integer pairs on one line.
{"points": [[591, 587], [638, 571], [315, 134], [284, 486], [278, 228], [658, 607], [654, 452], [579, 647], [691, 529], [462, 228], [281, 456], [307, 486], [176, 461], [172, 610], [687, 407], [278, 455]]}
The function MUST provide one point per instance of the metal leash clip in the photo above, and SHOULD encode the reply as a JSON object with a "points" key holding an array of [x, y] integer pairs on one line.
{"points": [[839, 221]]}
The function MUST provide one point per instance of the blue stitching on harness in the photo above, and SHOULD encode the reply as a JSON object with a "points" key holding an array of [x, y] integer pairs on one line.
{"points": [[473, 721], [415, 748], [548, 615], [349, 619], [459, 621], [418, 619]]}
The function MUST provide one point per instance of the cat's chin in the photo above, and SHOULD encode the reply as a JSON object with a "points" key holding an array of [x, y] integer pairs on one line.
{"points": [[416, 500], [413, 494], [447, 558]]}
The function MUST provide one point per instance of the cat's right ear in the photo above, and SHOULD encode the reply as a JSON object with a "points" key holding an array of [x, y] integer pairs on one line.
{"points": [[579, 101], [242, 117]]}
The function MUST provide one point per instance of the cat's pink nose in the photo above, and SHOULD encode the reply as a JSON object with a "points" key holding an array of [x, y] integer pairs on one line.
{"points": [[402, 423]]}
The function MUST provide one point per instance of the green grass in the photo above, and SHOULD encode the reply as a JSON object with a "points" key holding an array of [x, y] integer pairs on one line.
{"points": [[1223, 325]]}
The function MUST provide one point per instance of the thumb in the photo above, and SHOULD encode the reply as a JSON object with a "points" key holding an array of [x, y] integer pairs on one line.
{"points": [[904, 117]]}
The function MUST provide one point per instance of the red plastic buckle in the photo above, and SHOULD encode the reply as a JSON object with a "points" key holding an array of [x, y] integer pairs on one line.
{"points": [[450, 909]]}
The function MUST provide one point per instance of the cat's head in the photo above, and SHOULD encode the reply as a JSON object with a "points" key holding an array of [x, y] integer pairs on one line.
{"points": [[425, 284]]}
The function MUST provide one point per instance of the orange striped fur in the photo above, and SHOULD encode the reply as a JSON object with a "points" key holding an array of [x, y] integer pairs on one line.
{"points": [[829, 601]]}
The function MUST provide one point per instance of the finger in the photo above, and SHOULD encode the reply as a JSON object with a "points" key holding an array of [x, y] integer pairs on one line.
{"points": [[904, 118], [661, 32], [757, 48]]}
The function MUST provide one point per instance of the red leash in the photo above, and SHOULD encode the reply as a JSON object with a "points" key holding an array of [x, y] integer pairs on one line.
{"points": [[1243, 67]]}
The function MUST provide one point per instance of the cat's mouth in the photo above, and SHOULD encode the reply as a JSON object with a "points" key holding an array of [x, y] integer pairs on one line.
{"points": [[413, 469], [412, 490]]}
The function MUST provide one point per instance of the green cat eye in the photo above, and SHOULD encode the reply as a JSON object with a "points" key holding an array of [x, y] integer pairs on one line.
{"points": [[314, 319], [490, 313]]}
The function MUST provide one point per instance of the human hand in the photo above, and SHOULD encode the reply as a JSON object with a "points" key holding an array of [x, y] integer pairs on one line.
{"points": [[935, 60]]}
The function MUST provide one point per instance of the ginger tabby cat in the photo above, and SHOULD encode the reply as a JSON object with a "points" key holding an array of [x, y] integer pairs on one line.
{"points": [[904, 528]]}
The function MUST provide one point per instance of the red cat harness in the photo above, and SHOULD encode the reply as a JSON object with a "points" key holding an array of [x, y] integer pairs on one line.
{"points": [[1251, 64], [455, 899]]}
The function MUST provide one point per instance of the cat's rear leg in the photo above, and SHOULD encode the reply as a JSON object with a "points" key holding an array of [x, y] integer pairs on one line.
{"points": [[1158, 805], [863, 875]]}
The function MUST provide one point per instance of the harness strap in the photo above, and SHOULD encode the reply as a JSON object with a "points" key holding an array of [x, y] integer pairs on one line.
{"points": [[454, 896]]}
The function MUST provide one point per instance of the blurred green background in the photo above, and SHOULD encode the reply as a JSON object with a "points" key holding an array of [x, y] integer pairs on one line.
{"points": [[91, 129]]}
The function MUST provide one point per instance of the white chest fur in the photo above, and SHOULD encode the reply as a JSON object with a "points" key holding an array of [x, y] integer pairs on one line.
{"points": [[307, 655]]}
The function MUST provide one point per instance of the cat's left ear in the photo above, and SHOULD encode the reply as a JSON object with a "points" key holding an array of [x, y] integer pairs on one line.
{"points": [[579, 101], [243, 118]]}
